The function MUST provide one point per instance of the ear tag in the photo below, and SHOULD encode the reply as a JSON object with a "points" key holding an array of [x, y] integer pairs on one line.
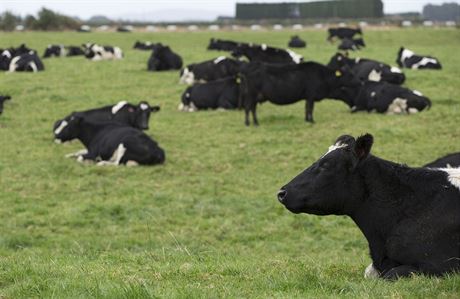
{"points": [[338, 73]]}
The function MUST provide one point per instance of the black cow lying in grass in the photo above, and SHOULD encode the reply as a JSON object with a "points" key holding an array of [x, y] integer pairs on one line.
{"points": [[2, 100], [264, 53], [342, 33], [349, 44], [383, 97], [60, 51], [296, 42], [144, 45], [136, 116], [222, 93], [284, 84], [409, 216], [222, 45], [448, 161], [367, 69], [218, 68], [109, 143], [408, 59], [163, 59]]}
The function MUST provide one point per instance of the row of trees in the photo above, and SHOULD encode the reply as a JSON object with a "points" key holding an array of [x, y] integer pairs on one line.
{"points": [[46, 19]]}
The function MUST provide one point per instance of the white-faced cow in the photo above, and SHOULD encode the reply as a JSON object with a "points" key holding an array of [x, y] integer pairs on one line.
{"points": [[109, 143], [342, 33], [222, 45], [284, 84], [296, 42], [209, 70], [144, 45], [2, 100], [136, 116], [408, 59], [222, 93], [409, 216], [97, 52], [349, 44], [264, 53], [27, 62], [163, 59], [448, 161], [368, 69]]}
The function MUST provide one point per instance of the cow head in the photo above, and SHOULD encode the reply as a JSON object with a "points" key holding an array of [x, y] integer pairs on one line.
{"points": [[359, 42], [338, 61], [331, 185], [186, 100], [68, 128], [2, 100], [142, 114], [138, 45], [213, 44]]}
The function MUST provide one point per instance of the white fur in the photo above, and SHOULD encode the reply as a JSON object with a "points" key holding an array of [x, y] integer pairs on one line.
{"points": [[144, 106], [62, 52], [395, 70], [13, 65], [412, 110], [453, 176], [118, 106], [219, 59], [192, 107], [375, 76], [417, 93], [33, 66], [406, 53], [77, 154], [357, 60], [187, 77], [182, 107], [334, 147], [264, 47], [423, 62], [371, 272], [373, 94], [398, 106], [116, 157], [295, 57], [61, 127], [6, 53]]}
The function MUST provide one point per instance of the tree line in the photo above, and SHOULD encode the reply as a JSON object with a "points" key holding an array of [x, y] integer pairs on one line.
{"points": [[46, 19]]}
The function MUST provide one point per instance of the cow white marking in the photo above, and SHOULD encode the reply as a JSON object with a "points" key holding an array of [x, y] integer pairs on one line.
{"points": [[6, 53], [453, 176], [264, 47], [398, 106], [375, 76], [417, 93], [412, 110], [219, 59], [116, 157], [77, 154], [118, 106], [188, 77], [13, 65], [144, 106], [357, 60], [424, 62], [334, 147], [33, 66], [192, 107], [182, 107], [61, 127], [373, 94], [371, 272], [406, 54], [295, 57], [62, 51], [395, 70]]}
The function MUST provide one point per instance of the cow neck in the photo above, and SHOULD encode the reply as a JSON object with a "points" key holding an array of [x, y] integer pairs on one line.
{"points": [[88, 132]]}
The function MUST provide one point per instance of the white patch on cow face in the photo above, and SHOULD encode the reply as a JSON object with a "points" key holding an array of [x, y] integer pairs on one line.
{"points": [[423, 62], [395, 70], [264, 47], [334, 147], [6, 53], [295, 57], [187, 77], [453, 176], [398, 106], [13, 65], [406, 53], [61, 127], [144, 106], [416, 92], [219, 59], [374, 76], [118, 106], [371, 272]]}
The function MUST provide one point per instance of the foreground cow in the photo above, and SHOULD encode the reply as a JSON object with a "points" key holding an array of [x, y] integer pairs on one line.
{"points": [[109, 143], [383, 97], [367, 69], [223, 93], [163, 59], [296, 42], [409, 216], [342, 33], [97, 52], [264, 53], [290, 83], [210, 70], [61, 51], [408, 59], [222, 45], [144, 45], [349, 44], [27, 62], [136, 116], [2, 100], [448, 161]]}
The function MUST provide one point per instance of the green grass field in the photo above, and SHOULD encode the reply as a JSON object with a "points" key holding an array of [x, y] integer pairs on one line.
{"points": [[207, 223]]}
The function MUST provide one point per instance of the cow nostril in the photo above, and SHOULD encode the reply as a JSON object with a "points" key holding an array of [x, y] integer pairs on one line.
{"points": [[282, 195]]}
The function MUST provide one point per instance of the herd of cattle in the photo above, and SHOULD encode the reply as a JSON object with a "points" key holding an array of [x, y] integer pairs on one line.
{"points": [[391, 203]]}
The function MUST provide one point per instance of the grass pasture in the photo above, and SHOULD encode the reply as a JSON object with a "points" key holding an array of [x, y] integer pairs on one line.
{"points": [[207, 223]]}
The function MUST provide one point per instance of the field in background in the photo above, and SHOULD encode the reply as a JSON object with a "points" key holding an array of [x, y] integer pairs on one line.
{"points": [[207, 223]]}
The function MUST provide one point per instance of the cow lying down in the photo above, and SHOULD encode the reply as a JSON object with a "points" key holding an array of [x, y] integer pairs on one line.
{"points": [[2, 100], [223, 94], [409, 216], [97, 52], [109, 143], [27, 62], [209, 70], [448, 161], [408, 59]]}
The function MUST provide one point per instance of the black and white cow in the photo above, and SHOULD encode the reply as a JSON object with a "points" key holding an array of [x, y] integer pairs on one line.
{"points": [[409, 216], [61, 50], [2, 100], [383, 97], [264, 53], [296, 42], [342, 33], [136, 116], [144, 45], [97, 52], [368, 69], [109, 143], [74, 51], [349, 44], [448, 161], [27, 62], [222, 93], [408, 59], [209, 70], [284, 84], [222, 45], [163, 59], [7, 55]]}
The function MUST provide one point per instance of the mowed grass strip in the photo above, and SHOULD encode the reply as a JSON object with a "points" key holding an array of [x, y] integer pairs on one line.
{"points": [[207, 223]]}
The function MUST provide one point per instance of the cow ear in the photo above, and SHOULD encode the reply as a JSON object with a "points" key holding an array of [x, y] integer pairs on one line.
{"points": [[363, 146]]}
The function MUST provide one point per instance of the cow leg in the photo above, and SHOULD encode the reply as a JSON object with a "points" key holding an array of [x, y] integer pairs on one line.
{"points": [[116, 157], [254, 115], [309, 105], [77, 154], [399, 272], [246, 116]]}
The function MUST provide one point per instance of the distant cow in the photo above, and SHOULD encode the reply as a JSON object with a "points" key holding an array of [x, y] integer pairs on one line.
{"points": [[209, 70], [222, 93], [109, 143], [60, 51], [2, 100], [144, 45], [222, 45], [448, 161], [408, 59], [284, 84], [163, 59], [367, 69], [349, 44], [264, 53], [97, 52], [136, 116], [27, 62], [296, 42], [342, 33], [409, 216]]}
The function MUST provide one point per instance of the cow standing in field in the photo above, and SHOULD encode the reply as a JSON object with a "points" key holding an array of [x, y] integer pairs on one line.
{"points": [[97, 52], [163, 59], [448, 161], [342, 33], [264, 53], [409, 216], [218, 94], [408, 59], [289, 83], [296, 42], [349, 44], [218, 68], [223, 45], [109, 143], [2, 100]]}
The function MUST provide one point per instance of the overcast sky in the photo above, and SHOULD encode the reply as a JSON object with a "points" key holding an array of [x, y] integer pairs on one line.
{"points": [[206, 8]]}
